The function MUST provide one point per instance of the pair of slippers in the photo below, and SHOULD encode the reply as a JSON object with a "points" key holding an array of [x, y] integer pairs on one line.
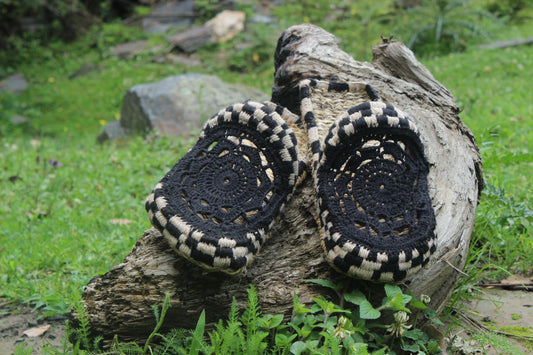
{"points": [[217, 205]]}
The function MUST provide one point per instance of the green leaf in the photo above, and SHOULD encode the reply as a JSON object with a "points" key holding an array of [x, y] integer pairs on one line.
{"points": [[359, 349], [198, 335], [298, 307], [281, 339], [356, 297], [397, 302], [392, 290], [325, 283], [413, 348], [395, 297], [433, 347], [418, 304], [432, 315], [298, 347], [366, 311], [271, 321], [327, 306], [415, 334], [380, 352]]}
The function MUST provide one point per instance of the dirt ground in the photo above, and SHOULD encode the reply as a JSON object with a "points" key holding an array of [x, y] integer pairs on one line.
{"points": [[501, 310], [16, 320], [508, 313]]}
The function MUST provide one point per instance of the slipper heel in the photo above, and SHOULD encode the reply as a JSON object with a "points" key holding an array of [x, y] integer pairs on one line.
{"points": [[216, 206]]}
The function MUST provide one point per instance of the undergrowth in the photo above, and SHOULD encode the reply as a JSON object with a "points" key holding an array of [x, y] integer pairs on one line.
{"points": [[351, 325]]}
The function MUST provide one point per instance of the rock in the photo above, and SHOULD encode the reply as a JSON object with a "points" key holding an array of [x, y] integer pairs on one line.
{"points": [[172, 58], [190, 40], [220, 28], [129, 49], [226, 25], [176, 105], [263, 19], [111, 131], [84, 69], [20, 120], [15, 83], [168, 16]]}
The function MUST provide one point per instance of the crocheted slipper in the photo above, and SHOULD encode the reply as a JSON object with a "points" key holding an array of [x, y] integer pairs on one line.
{"points": [[370, 174], [217, 204]]}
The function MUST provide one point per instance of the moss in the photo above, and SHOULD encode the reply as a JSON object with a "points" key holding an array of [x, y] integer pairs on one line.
{"points": [[517, 330], [516, 316]]}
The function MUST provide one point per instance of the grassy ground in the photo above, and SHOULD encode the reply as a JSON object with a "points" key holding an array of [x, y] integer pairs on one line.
{"points": [[492, 90], [72, 208]]}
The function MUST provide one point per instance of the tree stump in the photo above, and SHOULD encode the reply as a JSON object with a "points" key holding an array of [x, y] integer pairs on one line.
{"points": [[120, 302]]}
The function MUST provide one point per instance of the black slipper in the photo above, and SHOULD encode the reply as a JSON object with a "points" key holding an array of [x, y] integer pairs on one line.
{"points": [[217, 204], [370, 174]]}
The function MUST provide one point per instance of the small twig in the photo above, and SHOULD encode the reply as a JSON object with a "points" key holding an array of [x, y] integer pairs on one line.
{"points": [[512, 286], [455, 268]]}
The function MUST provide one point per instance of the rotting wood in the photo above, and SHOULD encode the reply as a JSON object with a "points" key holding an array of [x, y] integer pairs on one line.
{"points": [[120, 301]]}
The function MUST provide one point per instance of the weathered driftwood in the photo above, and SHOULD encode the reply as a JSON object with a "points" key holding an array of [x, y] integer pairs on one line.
{"points": [[120, 301]]}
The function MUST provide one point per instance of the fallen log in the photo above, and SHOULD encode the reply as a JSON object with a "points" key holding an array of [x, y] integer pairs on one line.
{"points": [[120, 302], [507, 43]]}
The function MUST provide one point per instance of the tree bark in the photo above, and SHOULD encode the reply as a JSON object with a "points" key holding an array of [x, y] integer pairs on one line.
{"points": [[120, 301]]}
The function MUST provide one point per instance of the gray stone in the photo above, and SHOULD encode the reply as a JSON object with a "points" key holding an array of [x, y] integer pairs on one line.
{"points": [[180, 104], [129, 49], [191, 39], [171, 58], [84, 69], [169, 15], [223, 27], [15, 83], [111, 131], [20, 120]]}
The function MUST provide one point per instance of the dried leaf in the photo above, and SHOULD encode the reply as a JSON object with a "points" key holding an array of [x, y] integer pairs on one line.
{"points": [[516, 279], [36, 331], [120, 221]]}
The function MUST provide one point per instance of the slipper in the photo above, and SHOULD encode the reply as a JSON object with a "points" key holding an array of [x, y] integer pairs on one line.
{"points": [[216, 206], [370, 174]]}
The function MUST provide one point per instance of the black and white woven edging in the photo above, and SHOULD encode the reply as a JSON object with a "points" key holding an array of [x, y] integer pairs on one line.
{"points": [[308, 113], [296, 125], [218, 203]]}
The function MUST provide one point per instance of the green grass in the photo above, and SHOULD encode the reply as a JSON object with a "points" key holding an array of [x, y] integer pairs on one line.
{"points": [[493, 90], [59, 229], [57, 223]]}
